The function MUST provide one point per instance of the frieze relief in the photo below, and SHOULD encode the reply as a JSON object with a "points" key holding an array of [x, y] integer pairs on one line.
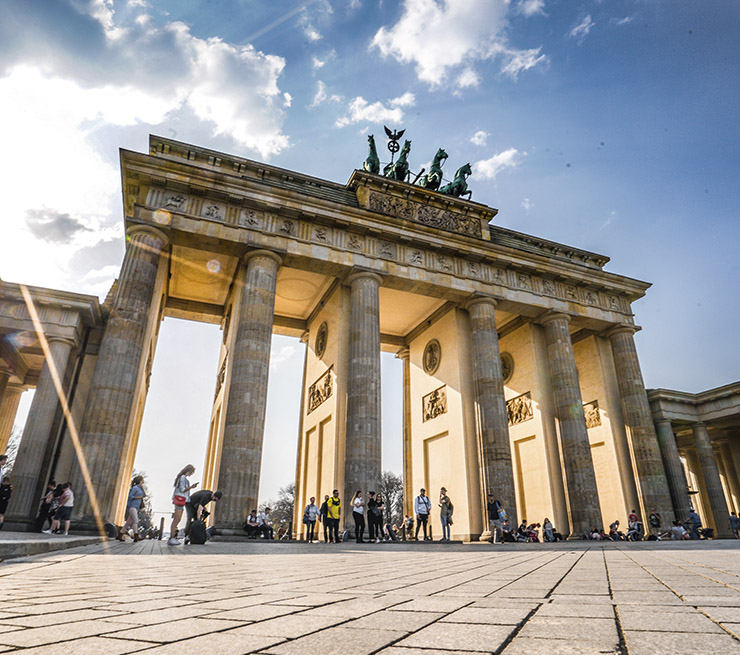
{"points": [[321, 234], [592, 414], [320, 390], [248, 218], [519, 409], [434, 404], [425, 214]]}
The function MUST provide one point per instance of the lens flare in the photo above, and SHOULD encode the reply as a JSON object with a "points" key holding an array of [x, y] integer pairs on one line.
{"points": [[214, 266], [162, 216]]}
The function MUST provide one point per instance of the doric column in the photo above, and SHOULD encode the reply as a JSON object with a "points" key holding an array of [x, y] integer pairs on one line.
{"points": [[674, 471], [408, 492], [249, 360], [112, 399], [580, 480], [8, 410], [731, 471], [651, 476], [726, 488], [713, 484], [28, 469], [362, 462], [492, 422], [4, 379]]}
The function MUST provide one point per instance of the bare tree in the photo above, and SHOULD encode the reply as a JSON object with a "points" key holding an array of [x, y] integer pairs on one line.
{"points": [[281, 510], [14, 443], [391, 486], [146, 512]]}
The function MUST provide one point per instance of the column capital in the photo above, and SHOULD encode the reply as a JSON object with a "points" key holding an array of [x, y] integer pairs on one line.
{"points": [[619, 329], [359, 274], [664, 420], [477, 300], [403, 353], [69, 341], [549, 317], [134, 230], [263, 253]]}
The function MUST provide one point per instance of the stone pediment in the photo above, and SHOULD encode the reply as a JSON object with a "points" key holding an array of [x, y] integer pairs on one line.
{"points": [[418, 205]]}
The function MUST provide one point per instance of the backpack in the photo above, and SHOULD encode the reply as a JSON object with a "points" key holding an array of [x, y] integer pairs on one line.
{"points": [[198, 535]]}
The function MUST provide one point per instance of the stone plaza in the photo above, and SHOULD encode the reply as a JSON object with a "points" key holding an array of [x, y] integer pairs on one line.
{"points": [[285, 598]]}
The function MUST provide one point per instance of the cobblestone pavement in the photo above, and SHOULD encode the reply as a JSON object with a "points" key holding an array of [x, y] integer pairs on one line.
{"points": [[235, 598]]}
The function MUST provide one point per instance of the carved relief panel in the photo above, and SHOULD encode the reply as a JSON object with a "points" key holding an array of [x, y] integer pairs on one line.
{"points": [[434, 404], [519, 409]]}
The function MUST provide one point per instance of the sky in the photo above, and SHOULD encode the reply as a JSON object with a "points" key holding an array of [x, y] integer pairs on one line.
{"points": [[610, 126]]}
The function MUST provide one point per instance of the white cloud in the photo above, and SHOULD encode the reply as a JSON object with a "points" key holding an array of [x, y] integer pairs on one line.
{"points": [[408, 99], [516, 61], [317, 63], [280, 357], [444, 40], [488, 169], [312, 34], [479, 138], [321, 96], [581, 30], [531, 7], [622, 21], [527, 204], [360, 110]]}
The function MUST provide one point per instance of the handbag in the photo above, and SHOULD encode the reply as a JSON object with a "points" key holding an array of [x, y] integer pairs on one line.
{"points": [[179, 501]]}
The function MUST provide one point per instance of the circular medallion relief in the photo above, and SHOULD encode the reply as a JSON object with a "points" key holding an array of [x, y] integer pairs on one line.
{"points": [[322, 337], [507, 366], [432, 357]]}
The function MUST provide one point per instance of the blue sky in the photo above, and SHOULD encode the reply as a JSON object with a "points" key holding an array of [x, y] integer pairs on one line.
{"points": [[610, 126]]}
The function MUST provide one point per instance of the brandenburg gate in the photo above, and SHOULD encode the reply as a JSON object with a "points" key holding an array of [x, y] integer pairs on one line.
{"points": [[520, 374]]}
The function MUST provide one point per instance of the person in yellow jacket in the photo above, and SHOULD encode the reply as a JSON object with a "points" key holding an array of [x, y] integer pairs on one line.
{"points": [[334, 511]]}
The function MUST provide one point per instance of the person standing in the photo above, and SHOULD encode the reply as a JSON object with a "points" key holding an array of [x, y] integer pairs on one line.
{"points": [[694, 523], [445, 513], [135, 497], [180, 497], [422, 508], [6, 491], [45, 507], [373, 526], [735, 525], [379, 527], [654, 520], [333, 512], [64, 513], [358, 514], [496, 518], [310, 514], [324, 516]]}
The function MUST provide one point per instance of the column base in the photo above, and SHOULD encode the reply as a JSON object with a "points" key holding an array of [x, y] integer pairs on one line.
{"points": [[485, 536]]}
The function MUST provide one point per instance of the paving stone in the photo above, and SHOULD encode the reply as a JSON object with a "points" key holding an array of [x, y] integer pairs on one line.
{"points": [[292, 626], [648, 643], [222, 643], [91, 646], [456, 636], [490, 615], [398, 650], [256, 612], [163, 633], [57, 618], [657, 621], [338, 641], [597, 611], [723, 614], [571, 628], [401, 621], [53, 633], [536, 646], [431, 604]]}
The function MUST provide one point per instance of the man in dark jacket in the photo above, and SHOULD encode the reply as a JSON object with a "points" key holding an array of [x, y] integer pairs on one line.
{"points": [[197, 503]]}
